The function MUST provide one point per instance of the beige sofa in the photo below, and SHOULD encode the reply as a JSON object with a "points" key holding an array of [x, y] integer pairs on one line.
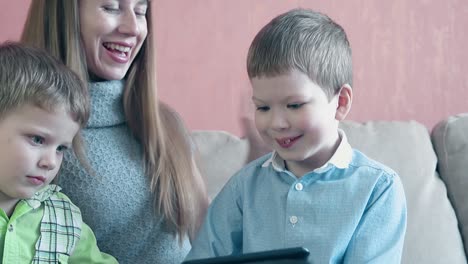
{"points": [[433, 167]]}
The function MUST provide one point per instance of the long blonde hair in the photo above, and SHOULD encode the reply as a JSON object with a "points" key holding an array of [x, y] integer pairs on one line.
{"points": [[167, 149]]}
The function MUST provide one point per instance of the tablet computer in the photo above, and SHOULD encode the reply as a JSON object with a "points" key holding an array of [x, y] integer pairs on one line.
{"points": [[296, 255]]}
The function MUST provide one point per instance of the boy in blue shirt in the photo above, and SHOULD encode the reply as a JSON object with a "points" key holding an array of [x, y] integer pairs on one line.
{"points": [[313, 190]]}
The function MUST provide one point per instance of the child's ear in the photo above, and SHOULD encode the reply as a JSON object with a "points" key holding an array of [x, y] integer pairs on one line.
{"points": [[345, 99]]}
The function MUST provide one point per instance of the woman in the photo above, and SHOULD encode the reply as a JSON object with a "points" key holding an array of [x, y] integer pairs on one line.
{"points": [[145, 195]]}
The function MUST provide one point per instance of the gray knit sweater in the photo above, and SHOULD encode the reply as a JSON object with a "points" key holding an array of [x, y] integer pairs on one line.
{"points": [[116, 202]]}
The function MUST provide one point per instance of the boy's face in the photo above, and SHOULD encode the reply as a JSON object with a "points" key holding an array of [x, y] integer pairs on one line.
{"points": [[294, 116], [32, 142]]}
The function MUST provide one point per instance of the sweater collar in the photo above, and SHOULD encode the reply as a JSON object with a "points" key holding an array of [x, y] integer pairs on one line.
{"points": [[106, 103]]}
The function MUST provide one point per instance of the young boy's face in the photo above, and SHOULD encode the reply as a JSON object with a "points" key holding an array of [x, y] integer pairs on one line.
{"points": [[294, 116], [32, 142]]}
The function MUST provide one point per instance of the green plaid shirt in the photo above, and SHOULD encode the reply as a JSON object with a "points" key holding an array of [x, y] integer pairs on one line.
{"points": [[60, 226], [48, 228]]}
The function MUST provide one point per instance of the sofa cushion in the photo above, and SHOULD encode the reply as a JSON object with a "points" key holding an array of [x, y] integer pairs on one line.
{"points": [[450, 139]]}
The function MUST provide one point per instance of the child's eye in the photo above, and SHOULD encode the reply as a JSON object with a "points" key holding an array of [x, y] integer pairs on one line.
{"points": [[62, 149], [263, 108], [295, 106], [37, 140]]}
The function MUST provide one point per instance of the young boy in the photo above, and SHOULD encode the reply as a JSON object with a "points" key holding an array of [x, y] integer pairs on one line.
{"points": [[42, 107], [314, 190]]}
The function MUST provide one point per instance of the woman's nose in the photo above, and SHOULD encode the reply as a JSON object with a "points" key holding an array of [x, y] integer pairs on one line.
{"points": [[129, 24]]}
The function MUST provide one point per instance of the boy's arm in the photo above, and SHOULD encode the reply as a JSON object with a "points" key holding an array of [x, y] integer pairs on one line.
{"points": [[221, 232], [380, 233], [87, 251]]}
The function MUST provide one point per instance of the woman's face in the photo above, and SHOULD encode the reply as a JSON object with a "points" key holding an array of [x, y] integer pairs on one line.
{"points": [[112, 32]]}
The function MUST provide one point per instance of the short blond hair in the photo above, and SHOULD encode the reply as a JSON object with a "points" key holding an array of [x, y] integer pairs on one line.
{"points": [[30, 75], [304, 40]]}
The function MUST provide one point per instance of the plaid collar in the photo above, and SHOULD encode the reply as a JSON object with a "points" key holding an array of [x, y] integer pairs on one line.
{"points": [[42, 195]]}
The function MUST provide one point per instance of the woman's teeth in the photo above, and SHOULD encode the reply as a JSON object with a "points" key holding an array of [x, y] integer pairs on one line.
{"points": [[117, 47]]}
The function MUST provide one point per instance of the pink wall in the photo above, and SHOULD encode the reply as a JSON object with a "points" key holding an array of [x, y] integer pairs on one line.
{"points": [[410, 60]]}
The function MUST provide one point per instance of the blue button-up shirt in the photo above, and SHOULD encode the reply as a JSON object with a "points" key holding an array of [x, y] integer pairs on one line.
{"points": [[351, 210]]}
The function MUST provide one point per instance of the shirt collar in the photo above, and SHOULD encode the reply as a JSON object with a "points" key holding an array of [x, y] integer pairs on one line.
{"points": [[340, 159], [42, 195]]}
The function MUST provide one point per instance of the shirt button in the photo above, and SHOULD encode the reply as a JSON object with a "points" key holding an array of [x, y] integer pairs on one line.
{"points": [[10, 228], [293, 219], [299, 186]]}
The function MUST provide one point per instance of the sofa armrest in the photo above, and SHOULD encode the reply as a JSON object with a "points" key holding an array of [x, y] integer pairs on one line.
{"points": [[450, 139]]}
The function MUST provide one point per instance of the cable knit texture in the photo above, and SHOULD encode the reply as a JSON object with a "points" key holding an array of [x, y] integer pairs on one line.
{"points": [[116, 202]]}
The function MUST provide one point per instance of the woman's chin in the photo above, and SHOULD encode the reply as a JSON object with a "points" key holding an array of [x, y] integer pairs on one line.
{"points": [[117, 74]]}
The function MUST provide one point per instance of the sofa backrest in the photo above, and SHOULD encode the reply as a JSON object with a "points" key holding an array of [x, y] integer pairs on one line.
{"points": [[221, 155], [432, 234]]}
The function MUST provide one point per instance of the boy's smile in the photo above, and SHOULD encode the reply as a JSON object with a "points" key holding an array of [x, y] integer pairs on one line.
{"points": [[287, 142], [295, 117]]}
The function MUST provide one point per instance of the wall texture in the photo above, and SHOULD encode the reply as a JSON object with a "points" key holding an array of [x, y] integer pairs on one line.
{"points": [[410, 60]]}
